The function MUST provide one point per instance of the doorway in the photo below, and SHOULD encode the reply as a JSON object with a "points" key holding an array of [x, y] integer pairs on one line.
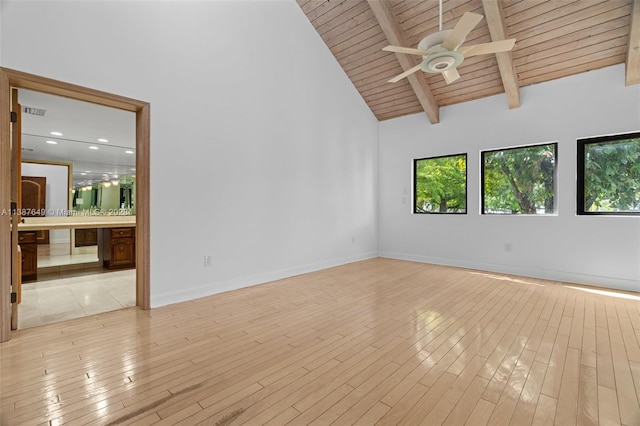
{"points": [[77, 158], [10, 79]]}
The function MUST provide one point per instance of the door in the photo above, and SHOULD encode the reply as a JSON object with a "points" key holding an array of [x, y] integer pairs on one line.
{"points": [[16, 198], [34, 202]]}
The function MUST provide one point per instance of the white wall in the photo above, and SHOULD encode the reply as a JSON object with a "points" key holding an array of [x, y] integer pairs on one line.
{"points": [[57, 196], [263, 154], [594, 250]]}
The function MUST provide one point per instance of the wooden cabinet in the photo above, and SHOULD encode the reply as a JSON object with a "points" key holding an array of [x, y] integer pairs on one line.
{"points": [[86, 237], [29, 247], [119, 248]]}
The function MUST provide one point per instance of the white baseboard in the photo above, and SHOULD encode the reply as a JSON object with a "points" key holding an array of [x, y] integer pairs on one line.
{"points": [[251, 280], [547, 274]]}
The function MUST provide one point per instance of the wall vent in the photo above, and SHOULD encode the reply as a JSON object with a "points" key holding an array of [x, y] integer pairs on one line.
{"points": [[34, 111]]}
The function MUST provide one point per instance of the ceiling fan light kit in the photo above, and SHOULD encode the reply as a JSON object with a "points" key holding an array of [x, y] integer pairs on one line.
{"points": [[440, 62]]}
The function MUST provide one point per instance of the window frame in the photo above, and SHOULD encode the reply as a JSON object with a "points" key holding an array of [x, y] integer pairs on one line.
{"points": [[466, 184], [555, 179], [580, 171]]}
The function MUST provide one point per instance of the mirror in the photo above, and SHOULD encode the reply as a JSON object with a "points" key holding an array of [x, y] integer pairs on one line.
{"points": [[111, 198]]}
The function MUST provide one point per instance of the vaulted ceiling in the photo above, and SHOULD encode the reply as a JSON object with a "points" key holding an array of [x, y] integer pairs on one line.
{"points": [[554, 38]]}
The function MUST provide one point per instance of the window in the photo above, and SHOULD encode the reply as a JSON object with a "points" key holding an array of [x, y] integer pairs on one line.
{"points": [[609, 175], [519, 180], [440, 184]]}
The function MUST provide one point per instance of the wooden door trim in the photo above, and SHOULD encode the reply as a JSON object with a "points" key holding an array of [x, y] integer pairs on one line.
{"points": [[17, 79], [5, 217]]}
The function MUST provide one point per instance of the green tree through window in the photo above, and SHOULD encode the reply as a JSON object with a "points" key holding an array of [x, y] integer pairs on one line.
{"points": [[441, 184], [609, 175], [519, 180]]}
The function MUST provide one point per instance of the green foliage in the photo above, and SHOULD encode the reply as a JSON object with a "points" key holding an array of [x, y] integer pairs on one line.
{"points": [[520, 180], [441, 185], [612, 176]]}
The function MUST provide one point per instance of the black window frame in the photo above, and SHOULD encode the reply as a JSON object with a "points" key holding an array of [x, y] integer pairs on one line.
{"points": [[466, 184], [555, 178], [580, 181]]}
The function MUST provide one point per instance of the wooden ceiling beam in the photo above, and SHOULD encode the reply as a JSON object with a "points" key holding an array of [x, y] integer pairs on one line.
{"points": [[633, 47], [498, 29], [395, 36]]}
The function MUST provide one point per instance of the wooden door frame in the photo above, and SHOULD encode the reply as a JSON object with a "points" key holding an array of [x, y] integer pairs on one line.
{"points": [[16, 79]]}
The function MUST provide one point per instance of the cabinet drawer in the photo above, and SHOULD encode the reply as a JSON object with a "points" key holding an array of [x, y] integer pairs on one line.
{"points": [[86, 237], [27, 237], [122, 232]]}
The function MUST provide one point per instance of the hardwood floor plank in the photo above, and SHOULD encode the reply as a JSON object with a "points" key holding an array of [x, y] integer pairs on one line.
{"points": [[627, 393], [373, 415], [545, 411], [604, 360], [588, 350], [481, 413], [423, 407], [322, 405], [608, 413], [553, 378], [630, 339], [509, 397], [341, 413], [567, 398], [588, 397], [403, 405], [467, 402], [526, 406], [283, 418]]}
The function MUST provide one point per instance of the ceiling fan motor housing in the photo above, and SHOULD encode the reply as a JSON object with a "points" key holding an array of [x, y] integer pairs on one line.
{"points": [[439, 59]]}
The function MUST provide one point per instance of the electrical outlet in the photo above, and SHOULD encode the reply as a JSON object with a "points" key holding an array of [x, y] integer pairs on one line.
{"points": [[208, 260]]}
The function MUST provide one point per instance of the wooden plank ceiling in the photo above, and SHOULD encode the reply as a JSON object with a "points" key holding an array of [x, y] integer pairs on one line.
{"points": [[554, 39]]}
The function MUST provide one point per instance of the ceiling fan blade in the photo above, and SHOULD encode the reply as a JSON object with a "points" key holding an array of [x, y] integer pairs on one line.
{"points": [[485, 48], [464, 26], [451, 75], [405, 74], [408, 50]]}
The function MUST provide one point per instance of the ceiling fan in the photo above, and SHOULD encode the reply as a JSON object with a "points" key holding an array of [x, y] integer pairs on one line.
{"points": [[442, 51]]}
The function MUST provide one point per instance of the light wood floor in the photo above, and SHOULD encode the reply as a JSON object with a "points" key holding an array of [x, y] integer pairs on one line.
{"points": [[375, 342]]}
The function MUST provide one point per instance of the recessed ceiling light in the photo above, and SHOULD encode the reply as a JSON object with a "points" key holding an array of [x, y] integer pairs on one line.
{"points": [[93, 147], [87, 171], [103, 140], [128, 152], [56, 133], [52, 142], [133, 170], [83, 174]]}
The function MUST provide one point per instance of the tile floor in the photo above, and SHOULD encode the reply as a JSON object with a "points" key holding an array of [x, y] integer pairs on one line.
{"points": [[57, 254], [75, 294]]}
